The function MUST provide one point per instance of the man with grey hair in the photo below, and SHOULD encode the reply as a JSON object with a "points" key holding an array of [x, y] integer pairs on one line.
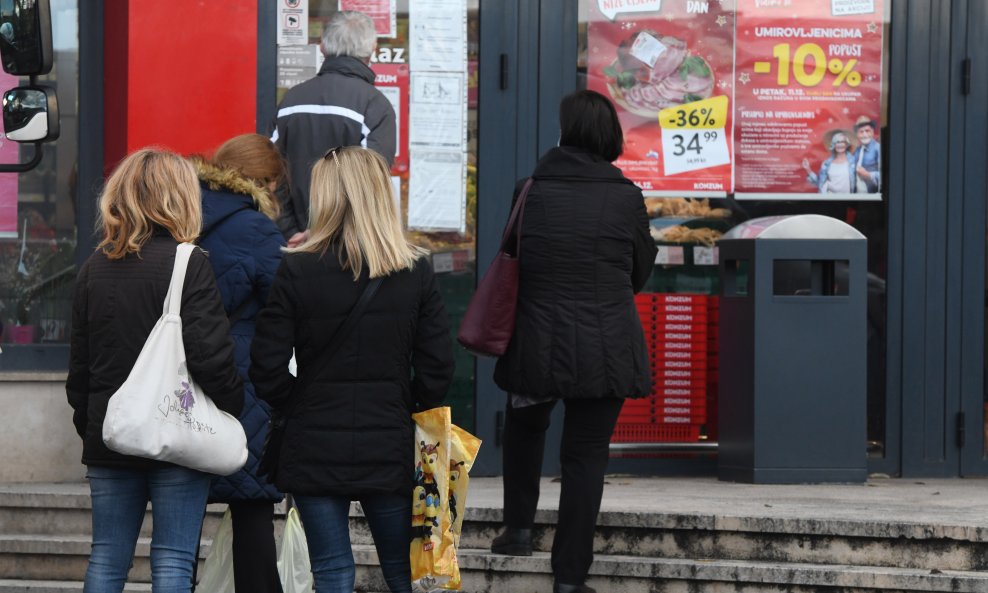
{"points": [[339, 107]]}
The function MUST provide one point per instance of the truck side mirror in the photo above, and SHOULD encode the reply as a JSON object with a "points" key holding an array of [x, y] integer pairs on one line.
{"points": [[30, 114], [25, 37]]}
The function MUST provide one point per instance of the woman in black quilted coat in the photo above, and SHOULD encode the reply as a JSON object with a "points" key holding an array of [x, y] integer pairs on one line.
{"points": [[244, 245], [585, 252], [348, 431]]}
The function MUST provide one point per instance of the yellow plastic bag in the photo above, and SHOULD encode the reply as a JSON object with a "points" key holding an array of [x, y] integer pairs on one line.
{"points": [[463, 451], [217, 571], [442, 451], [293, 558]]}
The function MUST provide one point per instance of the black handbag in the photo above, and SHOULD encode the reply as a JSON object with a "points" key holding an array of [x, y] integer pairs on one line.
{"points": [[268, 465]]}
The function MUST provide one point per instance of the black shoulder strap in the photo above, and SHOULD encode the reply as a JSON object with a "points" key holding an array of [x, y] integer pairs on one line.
{"points": [[338, 338]]}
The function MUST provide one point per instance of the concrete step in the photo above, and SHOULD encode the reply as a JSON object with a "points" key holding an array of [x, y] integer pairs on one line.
{"points": [[483, 572], [61, 562], [63, 509], [31, 586], [670, 535], [65, 557], [656, 546]]}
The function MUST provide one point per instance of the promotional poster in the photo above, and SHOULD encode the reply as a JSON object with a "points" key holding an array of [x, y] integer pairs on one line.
{"points": [[668, 67], [808, 98]]}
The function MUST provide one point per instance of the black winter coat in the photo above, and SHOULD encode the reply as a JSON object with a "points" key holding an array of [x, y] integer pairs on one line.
{"points": [[350, 433], [117, 303], [244, 249], [585, 252], [339, 107]]}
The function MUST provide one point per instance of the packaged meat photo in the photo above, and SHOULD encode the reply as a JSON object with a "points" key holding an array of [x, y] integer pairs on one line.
{"points": [[650, 61]]}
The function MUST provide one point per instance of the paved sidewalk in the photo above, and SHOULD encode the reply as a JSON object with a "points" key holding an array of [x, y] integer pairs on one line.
{"points": [[944, 502], [961, 503]]}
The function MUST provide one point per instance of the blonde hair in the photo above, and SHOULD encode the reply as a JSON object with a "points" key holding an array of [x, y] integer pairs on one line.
{"points": [[150, 187], [351, 203], [255, 157]]}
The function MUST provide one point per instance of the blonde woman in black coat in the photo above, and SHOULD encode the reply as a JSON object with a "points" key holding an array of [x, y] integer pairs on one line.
{"points": [[348, 428], [586, 250]]}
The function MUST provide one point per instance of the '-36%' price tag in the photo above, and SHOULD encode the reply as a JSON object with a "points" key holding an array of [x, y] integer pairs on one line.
{"points": [[693, 135]]}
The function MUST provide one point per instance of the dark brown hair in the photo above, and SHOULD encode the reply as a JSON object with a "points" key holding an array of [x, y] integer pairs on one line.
{"points": [[589, 121]]}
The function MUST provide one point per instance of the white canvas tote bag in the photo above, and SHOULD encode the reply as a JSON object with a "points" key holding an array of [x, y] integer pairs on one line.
{"points": [[160, 413]]}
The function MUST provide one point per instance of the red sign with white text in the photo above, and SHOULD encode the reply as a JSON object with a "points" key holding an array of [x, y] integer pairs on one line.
{"points": [[808, 98], [667, 66], [392, 81]]}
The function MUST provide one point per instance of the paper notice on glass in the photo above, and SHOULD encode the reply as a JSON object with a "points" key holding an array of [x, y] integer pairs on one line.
{"points": [[438, 115], [396, 191], [383, 12], [437, 35], [393, 95], [437, 196], [297, 63], [293, 22]]}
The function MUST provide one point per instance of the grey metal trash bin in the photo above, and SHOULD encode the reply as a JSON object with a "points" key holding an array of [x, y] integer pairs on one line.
{"points": [[793, 364]]}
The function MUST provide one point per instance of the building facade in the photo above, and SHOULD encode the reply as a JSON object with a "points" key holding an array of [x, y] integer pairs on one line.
{"points": [[476, 85]]}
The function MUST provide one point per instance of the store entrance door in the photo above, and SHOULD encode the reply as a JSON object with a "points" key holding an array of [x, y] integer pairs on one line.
{"points": [[937, 231], [973, 420]]}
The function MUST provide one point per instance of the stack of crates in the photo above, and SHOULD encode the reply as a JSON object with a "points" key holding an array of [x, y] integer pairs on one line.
{"points": [[713, 368], [677, 334]]}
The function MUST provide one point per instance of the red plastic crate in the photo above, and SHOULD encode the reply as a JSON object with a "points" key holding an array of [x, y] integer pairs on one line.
{"points": [[694, 392], [655, 433], [676, 383], [700, 317], [660, 309], [677, 364], [688, 420], [667, 335], [661, 374], [671, 297], [670, 345]]}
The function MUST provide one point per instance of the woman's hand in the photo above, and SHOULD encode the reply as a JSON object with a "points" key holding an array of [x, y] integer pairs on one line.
{"points": [[298, 238]]}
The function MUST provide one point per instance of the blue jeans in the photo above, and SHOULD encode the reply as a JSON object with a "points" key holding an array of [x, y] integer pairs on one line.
{"points": [[120, 497], [327, 529]]}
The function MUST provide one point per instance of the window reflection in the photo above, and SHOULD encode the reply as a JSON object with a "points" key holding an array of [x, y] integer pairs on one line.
{"points": [[38, 214]]}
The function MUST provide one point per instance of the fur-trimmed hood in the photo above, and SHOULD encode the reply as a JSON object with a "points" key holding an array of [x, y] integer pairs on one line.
{"points": [[225, 180]]}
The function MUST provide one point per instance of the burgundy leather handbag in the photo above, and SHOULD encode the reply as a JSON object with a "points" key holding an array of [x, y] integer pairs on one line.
{"points": [[490, 318]]}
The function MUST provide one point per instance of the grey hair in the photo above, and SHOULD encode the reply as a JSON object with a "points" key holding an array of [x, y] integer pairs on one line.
{"points": [[349, 33]]}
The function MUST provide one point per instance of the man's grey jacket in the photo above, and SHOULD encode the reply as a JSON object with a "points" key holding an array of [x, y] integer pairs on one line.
{"points": [[339, 107]]}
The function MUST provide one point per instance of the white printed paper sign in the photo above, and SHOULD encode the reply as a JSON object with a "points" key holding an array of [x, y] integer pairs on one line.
{"points": [[293, 22]]}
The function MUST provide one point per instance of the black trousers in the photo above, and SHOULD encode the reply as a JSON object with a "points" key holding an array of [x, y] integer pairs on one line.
{"points": [[587, 428], [255, 562]]}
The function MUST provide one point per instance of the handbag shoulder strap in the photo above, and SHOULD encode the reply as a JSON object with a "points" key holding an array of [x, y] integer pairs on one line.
{"points": [[517, 213], [338, 338], [173, 298]]}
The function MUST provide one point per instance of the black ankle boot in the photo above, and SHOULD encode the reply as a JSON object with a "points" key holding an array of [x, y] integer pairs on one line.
{"points": [[561, 588], [513, 542]]}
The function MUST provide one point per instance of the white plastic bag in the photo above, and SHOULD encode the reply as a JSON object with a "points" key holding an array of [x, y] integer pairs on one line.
{"points": [[160, 413], [293, 558], [217, 571]]}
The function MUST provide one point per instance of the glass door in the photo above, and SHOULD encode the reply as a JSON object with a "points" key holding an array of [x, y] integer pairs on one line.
{"points": [[426, 64]]}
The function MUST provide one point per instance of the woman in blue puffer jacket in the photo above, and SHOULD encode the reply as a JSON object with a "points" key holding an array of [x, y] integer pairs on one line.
{"points": [[244, 247]]}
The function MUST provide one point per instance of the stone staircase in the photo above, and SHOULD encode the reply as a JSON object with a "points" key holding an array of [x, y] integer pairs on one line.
{"points": [[44, 545]]}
